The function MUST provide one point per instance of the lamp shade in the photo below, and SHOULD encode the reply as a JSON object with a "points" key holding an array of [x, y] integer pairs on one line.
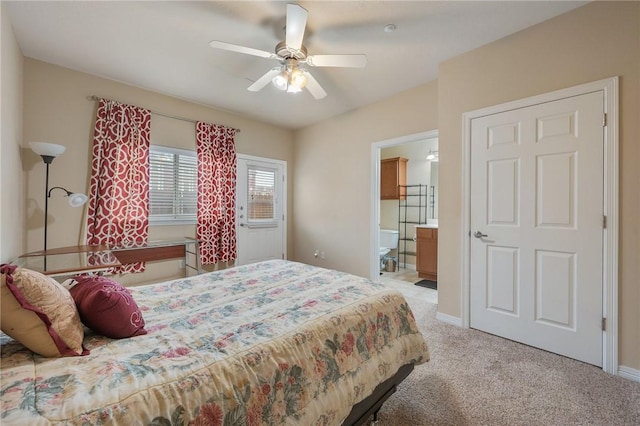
{"points": [[46, 148], [76, 199]]}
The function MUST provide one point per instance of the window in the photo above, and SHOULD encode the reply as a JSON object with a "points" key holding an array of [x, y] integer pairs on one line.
{"points": [[173, 185], [261, 195]]}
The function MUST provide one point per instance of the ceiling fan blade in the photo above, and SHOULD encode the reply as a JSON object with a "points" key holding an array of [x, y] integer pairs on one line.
{"points": [[241, 49], [296, 24], [264, 80], [314, 87], [347, 61]]}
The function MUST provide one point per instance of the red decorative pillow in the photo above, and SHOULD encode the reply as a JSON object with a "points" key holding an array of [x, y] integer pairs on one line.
{"points": [[107, 307]]}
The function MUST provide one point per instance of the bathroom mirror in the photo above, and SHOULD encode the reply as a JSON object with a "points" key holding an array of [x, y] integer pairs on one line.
{"points": [[432, 204]]}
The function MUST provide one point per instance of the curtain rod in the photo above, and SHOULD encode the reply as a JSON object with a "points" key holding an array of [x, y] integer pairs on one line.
{"points": [[175, 117]]}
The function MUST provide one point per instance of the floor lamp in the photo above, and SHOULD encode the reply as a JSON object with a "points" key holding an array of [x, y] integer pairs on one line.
{"points": [[49, 151]]}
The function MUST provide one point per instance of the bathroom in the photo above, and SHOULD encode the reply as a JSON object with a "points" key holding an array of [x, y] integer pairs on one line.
{"points": [[409, 219]]}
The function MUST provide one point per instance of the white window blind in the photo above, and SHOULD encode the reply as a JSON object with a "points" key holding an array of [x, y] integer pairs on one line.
{"points": [[173, 185], [261, 195]]}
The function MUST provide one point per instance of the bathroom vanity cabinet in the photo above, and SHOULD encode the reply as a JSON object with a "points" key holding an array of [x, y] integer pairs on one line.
{"points": [[393, 174], [427, 253]]}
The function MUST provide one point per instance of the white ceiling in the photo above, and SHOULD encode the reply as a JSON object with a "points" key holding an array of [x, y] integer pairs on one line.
{"points": [[163, 46]]}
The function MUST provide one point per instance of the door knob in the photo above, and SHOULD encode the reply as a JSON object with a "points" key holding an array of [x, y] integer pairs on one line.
{"points": [[479, 234]]}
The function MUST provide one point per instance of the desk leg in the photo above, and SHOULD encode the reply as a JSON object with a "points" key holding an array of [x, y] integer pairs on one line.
{"points": [[196, 253]]}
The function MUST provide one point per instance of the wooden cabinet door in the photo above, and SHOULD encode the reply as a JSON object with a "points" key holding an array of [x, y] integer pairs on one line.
{"points": [[427, 253], [393, 172]]}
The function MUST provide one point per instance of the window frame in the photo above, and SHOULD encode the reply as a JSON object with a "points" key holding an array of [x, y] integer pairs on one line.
{"points": [[172, 219]]}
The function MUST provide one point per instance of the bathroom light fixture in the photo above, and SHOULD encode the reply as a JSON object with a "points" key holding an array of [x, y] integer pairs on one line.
{"points": [[48, 152], [432, 155]]}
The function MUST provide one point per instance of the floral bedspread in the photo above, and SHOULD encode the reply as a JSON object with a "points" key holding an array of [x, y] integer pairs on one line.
{"points": [[275, 342]]}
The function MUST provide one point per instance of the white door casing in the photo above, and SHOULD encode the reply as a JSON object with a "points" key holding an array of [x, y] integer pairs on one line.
{"points": [[546, 273], [260, 209]]}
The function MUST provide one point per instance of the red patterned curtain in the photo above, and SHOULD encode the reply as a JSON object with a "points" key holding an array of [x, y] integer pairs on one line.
{"points": [[216, 228], [118, 213]]}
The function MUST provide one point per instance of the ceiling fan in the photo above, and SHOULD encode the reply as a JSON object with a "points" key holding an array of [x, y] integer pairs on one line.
{"points": [[291, 75]]}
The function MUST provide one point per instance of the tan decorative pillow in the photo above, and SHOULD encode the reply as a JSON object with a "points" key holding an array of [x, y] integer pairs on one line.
{"points": [[39, 313]]}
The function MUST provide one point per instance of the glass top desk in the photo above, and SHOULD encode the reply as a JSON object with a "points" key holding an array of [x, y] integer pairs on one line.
{"points": [[187, 248], [81, 259], [69, 260]]}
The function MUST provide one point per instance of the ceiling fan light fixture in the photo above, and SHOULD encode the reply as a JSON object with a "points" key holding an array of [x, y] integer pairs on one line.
{"points": [[291, 79], [297, 79], [281, 81]]}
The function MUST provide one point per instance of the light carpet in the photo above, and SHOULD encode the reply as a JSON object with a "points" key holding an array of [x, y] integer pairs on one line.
{"points": [[474, 378]]}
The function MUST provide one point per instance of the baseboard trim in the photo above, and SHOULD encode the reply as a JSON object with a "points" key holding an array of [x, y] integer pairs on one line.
{"points": [[629, 373], [449, 319]]}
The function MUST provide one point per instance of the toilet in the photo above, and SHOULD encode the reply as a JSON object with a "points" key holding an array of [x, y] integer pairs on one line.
{"points": [[388, 241]]}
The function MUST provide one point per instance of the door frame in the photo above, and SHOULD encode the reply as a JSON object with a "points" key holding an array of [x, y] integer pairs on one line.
{"points": [[285, 218], [610, 237], [374, 240]]}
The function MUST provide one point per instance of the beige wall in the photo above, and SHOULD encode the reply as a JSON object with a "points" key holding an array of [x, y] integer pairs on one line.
{"points": [[11, 176], [596, 41], [56, 109], [333, 177]]}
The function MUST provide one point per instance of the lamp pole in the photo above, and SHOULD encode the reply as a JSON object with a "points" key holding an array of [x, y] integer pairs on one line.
{"points": [[47, 160], [48, 151], [46, 208]]}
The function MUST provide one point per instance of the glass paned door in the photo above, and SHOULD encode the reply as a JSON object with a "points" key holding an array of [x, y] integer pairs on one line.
{"points": [[260, 216]]}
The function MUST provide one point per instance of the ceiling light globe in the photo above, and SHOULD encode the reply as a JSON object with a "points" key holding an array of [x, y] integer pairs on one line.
{"points": [[298, 79], [280, 81]]}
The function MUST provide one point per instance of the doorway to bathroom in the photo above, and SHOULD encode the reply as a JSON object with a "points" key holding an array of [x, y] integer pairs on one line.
{"points": [[405, 211]]}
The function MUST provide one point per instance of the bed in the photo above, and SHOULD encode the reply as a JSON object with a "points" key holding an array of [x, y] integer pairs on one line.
{"points": [[275, 342]]}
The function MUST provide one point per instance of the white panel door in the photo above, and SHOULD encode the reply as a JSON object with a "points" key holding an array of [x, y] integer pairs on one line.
{"points": [[537, 225], [260, 210]]}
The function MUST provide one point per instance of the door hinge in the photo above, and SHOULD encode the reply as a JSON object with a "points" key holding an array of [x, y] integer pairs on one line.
{"points": [[283, 255], [604, 120], [604, 324], [604, 222]]}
